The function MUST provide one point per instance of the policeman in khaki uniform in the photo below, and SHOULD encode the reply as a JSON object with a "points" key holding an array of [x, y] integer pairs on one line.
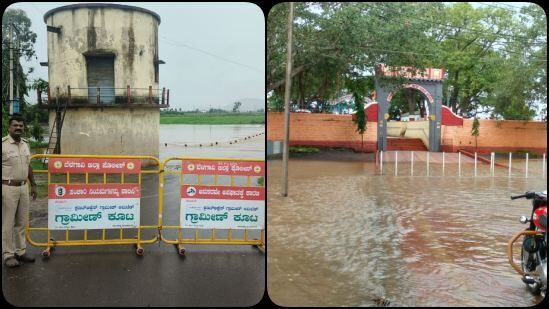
{"points": [[16, 174]]}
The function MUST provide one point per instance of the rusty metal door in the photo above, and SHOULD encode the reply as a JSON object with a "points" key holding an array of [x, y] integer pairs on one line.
{"points": [[100, 73]]}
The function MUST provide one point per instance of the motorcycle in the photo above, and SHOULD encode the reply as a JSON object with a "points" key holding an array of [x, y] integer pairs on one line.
{"points": [[533, 256]]}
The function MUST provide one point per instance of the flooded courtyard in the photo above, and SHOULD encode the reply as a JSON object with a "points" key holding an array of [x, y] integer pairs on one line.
{"points": [[347, 236]]}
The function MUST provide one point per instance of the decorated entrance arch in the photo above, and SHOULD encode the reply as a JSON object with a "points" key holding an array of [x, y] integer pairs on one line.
{"points": [[428, 82]]}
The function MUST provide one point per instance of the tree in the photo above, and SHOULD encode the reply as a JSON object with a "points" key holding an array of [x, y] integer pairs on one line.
{"points": [[24, 40], [359, 87], [495, 60], [475, 130], [275, 102], [34, 111], [39, 84], [36, 130], [361, 117], [338, 40], [236, 106]]}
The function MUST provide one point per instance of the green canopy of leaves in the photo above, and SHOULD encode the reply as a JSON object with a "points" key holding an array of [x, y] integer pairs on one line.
{"points": [[23, 45], [495, 57]]}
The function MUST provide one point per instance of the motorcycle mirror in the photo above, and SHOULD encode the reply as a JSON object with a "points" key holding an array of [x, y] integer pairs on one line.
{"points": [[523, 219]]}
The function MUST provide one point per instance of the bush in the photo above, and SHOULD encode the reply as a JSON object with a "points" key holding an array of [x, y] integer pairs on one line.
{"points": [[304, 150]]}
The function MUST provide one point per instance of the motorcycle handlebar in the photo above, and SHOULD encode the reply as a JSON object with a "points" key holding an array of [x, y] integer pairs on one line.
{"points": [[528, 195]]}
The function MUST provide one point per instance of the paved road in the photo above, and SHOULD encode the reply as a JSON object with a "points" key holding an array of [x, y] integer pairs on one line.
{"points": [[224, 275]]}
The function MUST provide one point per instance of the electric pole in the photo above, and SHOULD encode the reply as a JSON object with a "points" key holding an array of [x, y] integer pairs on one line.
{"points": [[11, 69], [287, 93]]}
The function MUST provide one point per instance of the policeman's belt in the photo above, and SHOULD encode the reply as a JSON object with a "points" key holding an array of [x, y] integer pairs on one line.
{"points": [[15, 183]]}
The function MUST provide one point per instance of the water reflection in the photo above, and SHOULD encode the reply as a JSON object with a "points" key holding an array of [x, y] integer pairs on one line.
{"points": [[344, 236]]}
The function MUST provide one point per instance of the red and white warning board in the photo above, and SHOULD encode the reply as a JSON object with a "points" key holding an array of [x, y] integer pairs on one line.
{"points": [[220, 167], [93, 206], [94, 165], [222, 207]]}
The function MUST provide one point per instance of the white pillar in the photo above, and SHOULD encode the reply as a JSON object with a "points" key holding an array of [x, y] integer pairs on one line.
{"points": [[427, 163], [396, 163], [543, 168], [492, 163], [412, 165], [381, 162], [510, 163], [526, 175], [459, 164], [443, 163], [475, 164]]}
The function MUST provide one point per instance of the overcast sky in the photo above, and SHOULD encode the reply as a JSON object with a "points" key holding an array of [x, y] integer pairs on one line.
{"points": [[214, 52]]}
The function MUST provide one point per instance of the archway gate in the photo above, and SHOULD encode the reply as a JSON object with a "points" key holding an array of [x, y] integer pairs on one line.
{"points": [[428, 82]]}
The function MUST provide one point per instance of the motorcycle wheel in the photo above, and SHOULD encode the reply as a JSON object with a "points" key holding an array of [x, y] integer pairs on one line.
{"points": [[529, 262]]}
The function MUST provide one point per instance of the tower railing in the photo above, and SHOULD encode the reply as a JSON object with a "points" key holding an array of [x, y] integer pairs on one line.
{"points": [[107, 96]]}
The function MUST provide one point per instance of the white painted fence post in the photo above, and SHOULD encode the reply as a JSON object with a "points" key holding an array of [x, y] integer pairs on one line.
{"points": [[443, 163], [428, 163], [526, 175], [475, 164], [396, 163], [543, 168], [510, 163], [459, 164], [412, 166], [381, 162], [492, 163]]}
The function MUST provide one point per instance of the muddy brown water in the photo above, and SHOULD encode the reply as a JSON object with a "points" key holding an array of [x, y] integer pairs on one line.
{"points": [[347, 236], [250, 141]]}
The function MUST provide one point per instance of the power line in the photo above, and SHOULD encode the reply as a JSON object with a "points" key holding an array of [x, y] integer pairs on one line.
{"points": [[450, 37], [531, 59], [502, 49], [506, 4], [176, 43], [428, 54], [499, 7], [400, 52]]}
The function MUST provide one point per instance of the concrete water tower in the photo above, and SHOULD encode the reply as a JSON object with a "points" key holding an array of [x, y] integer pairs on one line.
{"points": [[104, 95]]}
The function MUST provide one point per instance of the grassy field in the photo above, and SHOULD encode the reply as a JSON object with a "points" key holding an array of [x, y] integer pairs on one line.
{"points": [[213, 118]]}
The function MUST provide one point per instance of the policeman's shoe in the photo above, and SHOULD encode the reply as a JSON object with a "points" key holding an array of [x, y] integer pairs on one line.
{"points": [[11, 262], [25, 258]]}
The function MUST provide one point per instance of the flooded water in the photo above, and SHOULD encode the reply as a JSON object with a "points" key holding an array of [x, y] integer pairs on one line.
{"points": [[347, 236], [250, 141]]}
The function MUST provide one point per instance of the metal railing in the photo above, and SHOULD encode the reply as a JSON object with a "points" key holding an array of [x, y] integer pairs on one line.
{"points": [[460, 164], [58, 175], [211, 235], [105, 96]]}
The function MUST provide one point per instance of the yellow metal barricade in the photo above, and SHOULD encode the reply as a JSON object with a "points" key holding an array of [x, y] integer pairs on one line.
{"points": [[199, 179], [89, 179]]}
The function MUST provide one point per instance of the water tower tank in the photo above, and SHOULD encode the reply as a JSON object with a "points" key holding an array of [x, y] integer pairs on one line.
{"points": [[103, 66]]}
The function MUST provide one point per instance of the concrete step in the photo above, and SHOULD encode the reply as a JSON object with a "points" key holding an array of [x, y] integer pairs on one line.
{"points": [[410, 144]]}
